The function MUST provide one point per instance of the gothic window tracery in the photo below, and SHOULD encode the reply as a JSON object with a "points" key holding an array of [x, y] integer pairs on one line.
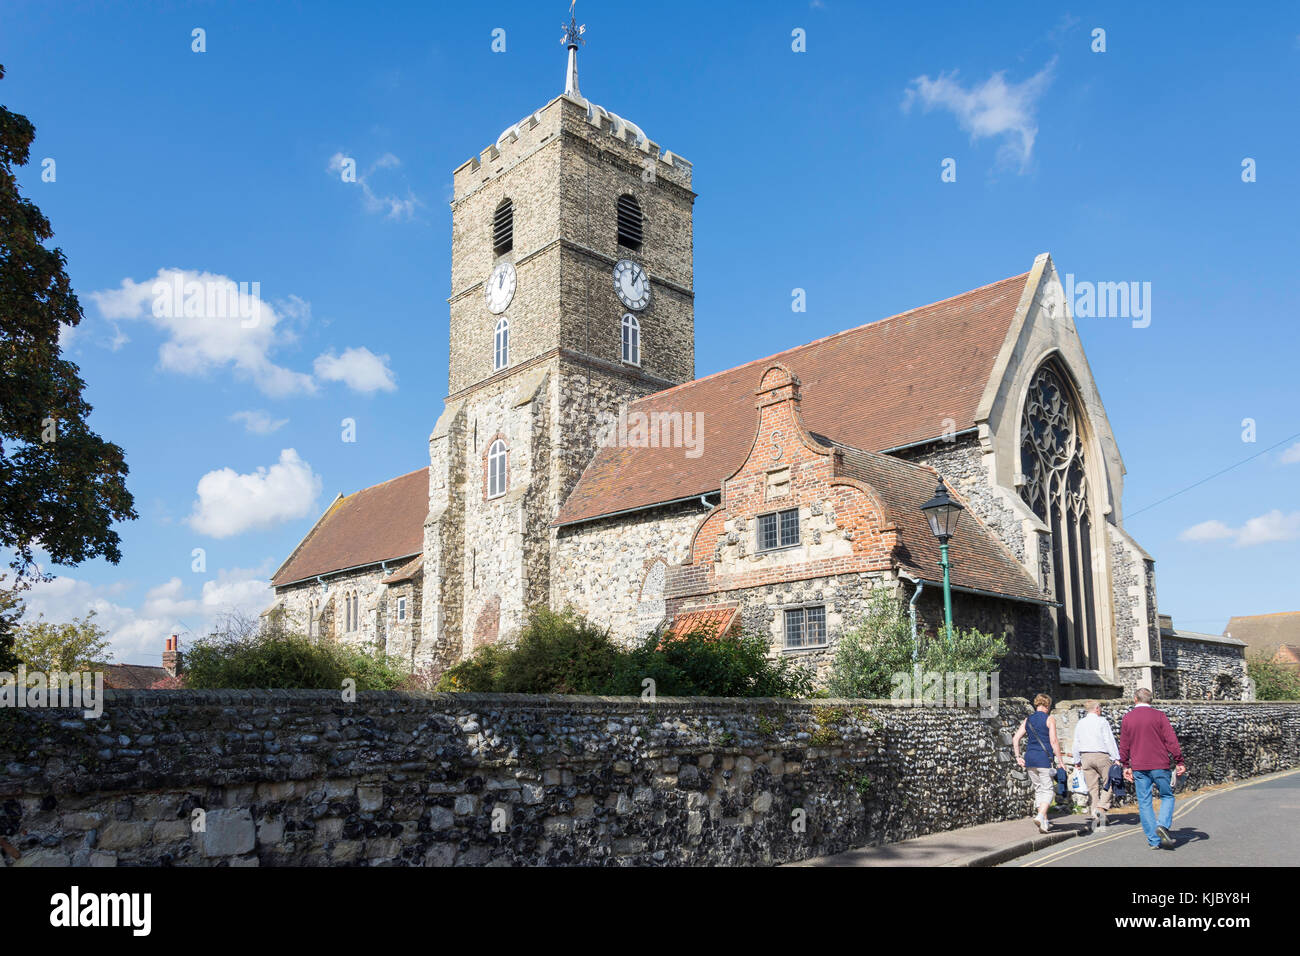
{"points": [[1054, 468]]}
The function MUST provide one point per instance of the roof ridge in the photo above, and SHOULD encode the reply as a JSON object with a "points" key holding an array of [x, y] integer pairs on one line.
{"points": [[826, 338]]}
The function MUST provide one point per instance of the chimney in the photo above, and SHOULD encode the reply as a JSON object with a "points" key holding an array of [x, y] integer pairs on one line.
{"points": [[171, 659]]}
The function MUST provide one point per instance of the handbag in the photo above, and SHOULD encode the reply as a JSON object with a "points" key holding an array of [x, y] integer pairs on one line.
{"points": [[1078, 782]]}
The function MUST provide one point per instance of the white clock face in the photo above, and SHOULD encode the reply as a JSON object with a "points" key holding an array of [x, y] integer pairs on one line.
{"points": [[500, 288], [632, 284]]}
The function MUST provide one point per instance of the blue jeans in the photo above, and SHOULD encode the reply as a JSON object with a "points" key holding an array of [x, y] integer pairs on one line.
{"points": [[1143, 781]]}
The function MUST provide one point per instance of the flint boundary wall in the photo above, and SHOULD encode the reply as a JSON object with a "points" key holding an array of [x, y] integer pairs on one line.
{"points": [[302, 778]]}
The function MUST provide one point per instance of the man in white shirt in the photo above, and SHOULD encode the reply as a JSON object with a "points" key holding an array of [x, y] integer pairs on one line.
{"points": [[1095, 751]]}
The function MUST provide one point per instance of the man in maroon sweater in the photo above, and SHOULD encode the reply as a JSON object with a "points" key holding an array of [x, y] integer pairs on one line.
{"points": [[1146, 742]]}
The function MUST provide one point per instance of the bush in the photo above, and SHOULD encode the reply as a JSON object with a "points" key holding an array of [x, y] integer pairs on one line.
{"points": [[1272, 681], [281, 660], [563, 653], [700, 664], [869, 656]]}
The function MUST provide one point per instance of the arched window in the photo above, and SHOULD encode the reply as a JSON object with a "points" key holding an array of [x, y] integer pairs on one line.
{"points": [[501, 345], [503, 227], [631, 339], [347, 612], [630, 222], [498, 457], [1054, 467]]}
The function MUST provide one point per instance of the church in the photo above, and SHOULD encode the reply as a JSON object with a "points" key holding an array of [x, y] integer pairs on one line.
{"points": [[776, 497]]}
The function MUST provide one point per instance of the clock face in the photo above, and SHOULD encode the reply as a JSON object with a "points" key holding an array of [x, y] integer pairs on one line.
{"points": [[632, 284], [500, 288]]}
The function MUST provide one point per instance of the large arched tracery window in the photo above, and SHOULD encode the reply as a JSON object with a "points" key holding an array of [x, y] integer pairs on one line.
{"points": [[1053, 463]]}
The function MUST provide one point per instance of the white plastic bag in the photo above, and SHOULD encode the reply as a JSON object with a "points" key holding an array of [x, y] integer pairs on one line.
{"points": [[1078, 782]]}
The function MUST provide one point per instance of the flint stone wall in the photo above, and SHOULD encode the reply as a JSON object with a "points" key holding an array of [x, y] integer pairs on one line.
{"points": [[301, 778]]}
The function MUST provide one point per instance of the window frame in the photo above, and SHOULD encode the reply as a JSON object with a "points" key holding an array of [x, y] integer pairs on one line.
{"points": [[635, 219], [401, 608], [631, 340], [505, 207], [498, 451], [781, 544], [803, 611], [501, 345]]}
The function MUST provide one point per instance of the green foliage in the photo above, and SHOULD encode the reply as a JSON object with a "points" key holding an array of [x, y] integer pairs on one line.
{"points": [[11, 611], [699, 664], [869, 656], [275, 659], [562, 653], [63, 485], [81, 644], [1272, 681]]}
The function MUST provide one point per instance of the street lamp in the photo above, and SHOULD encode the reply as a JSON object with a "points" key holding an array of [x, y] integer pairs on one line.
{"points": [[942, 512]]}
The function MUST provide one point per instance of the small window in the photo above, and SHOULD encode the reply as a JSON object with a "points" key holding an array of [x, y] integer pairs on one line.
{"points": [[778, 530], [805, 626], [630, 221], [503, 227], [631, 339], [401, 609], [497, 459], [356, 611], [501, 345]]}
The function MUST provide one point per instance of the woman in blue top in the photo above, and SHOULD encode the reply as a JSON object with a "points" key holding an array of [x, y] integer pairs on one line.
{"points": [[1040, 730]]}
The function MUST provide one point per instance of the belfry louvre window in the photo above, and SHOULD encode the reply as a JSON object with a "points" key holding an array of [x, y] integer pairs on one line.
{"points": [[498, 457], [778, 530], [503, 227], [1054, 471], [631, 339], [630, 222], [805, 626]]}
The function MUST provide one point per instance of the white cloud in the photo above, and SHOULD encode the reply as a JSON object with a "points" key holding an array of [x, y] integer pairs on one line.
{"points": [[210, 322], [1292, 455], [137, 634], [1207, 531], [230, 503], [1264, 529], [358, 368], [259, 422], [396, 207], [994, 108]]}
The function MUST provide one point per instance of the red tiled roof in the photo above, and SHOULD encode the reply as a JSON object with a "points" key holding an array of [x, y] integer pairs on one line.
{"points": [[378, 523], [1265, 633], [133, 676], [715, 621], [407, 571], [978, 559], [880, 386]]}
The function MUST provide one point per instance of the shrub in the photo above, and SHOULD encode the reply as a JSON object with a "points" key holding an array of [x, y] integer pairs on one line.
{"points": [[701, 664], [869, 656], [1272, 681], [280, 660]]}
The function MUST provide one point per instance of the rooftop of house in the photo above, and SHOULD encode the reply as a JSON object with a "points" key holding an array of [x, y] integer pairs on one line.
{"points": [[892, 383], [1265, 632], [384, 522]]}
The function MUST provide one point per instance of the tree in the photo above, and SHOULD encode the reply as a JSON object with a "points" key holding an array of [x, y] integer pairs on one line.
{"points": [[81, 644], [11, 609], [61, 485]]}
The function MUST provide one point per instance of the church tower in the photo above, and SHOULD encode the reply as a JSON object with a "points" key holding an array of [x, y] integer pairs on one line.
{"points": [[571, 295]]}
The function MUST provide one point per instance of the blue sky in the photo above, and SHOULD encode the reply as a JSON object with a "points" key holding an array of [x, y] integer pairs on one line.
{"points": [[817, 170]]}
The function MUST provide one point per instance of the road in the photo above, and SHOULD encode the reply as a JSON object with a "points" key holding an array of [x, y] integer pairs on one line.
{"points": [[1250, 823]]}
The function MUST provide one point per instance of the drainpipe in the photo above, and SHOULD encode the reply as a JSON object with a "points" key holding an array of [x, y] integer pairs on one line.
{"points": [[704, 500], [911, 609]]}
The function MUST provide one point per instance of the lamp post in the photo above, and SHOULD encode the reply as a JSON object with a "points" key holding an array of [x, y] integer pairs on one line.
{"points": [[942, 513]]}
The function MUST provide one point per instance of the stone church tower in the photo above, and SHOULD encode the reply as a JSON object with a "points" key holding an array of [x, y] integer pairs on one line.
{"points": [[571, 295]]}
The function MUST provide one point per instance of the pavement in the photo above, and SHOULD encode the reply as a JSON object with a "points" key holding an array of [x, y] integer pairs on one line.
{"points": [[1248, 828]]}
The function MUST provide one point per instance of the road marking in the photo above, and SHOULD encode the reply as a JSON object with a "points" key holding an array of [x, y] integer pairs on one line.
{"points": [[1181, 807]]}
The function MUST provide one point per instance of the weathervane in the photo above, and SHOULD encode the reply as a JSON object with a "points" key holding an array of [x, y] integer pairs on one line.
{"points": [[572, 39], [572, 32]]}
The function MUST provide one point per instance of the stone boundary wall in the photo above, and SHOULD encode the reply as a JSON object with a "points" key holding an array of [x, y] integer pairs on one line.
{"points": [[302, 778]]}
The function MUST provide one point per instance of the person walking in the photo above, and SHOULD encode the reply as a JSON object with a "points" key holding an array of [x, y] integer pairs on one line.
{"points": [[1095, 751], [1146, 742], [1040, 730]]}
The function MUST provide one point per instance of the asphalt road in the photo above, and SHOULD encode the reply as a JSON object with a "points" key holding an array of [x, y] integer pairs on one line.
{"points": [[1251, 823]]}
